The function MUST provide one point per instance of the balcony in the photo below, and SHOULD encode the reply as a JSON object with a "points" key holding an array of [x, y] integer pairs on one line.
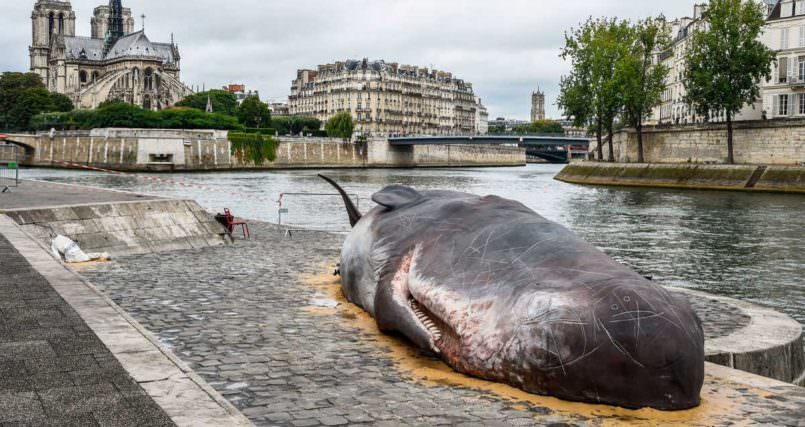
{"points": [[794, 82]]}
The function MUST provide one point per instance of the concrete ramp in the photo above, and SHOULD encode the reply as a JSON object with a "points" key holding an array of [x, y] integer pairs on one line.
{"points": [[118, 223]]}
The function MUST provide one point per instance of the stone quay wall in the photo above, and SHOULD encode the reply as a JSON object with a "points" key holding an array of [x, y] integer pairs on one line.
{"points": [[784, 179], [762, 142], [169, 150]]}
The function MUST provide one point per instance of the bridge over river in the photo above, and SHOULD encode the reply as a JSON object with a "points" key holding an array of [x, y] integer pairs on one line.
{"points": [[552, 148]]}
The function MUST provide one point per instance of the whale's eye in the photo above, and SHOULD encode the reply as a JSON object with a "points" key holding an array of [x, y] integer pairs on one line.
{"points": [[627, 299], [614, 307]]}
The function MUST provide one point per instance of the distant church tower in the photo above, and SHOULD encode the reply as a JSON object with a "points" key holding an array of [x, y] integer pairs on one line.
{"points": [[537, 106], [116, 28], [49, 18]]}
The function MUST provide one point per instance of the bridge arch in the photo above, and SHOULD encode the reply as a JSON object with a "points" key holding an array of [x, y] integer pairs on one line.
{"points": [[28, 151]]}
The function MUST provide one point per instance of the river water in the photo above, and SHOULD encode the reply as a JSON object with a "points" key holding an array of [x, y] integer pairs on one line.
{"points": [[747, 246]]}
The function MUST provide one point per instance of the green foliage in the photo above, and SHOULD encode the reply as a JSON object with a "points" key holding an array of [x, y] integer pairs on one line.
{"points": [[340, 126], [223, 102], [261, 131], [123, 115], [293, 125], [592, 92], [62, 103], [253, 113], [23, 96], [541, 127], [254, 147], [643, 83], [726, 61]]}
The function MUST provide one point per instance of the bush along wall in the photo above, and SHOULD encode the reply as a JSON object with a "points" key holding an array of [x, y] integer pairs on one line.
{"points": [[253, 147]]}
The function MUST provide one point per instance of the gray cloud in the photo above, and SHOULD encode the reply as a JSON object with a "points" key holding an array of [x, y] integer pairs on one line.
{"points": [[506, 48]]}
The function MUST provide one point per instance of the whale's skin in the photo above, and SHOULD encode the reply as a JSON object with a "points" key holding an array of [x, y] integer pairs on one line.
{"points": [[500, 293]]}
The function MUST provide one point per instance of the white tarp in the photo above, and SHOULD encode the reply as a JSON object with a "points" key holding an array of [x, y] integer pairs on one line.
{"points": [[68, 250]]}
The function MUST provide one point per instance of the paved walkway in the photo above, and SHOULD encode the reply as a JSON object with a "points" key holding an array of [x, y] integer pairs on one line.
{"points": [[39, 194], [54, 371], [243, 318]]}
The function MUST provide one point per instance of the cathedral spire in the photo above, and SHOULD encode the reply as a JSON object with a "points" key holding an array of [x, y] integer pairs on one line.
{"points": [[115, 31]]}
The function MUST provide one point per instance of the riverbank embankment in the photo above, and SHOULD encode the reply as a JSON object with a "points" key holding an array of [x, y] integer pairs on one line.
{"points": [[782, 179], [114, 222], [68, 354], [140, 150], [323, 348], [308, 361]]}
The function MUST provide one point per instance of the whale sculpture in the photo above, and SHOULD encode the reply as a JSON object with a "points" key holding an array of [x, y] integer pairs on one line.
{"points": [[500, 293]]}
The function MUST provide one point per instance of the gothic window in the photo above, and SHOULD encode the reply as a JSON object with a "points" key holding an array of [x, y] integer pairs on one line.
{"points": [[148, 79], [147, 102], [95, 76], [51, 25], [135, 74], [82, 75], [61, 23]]}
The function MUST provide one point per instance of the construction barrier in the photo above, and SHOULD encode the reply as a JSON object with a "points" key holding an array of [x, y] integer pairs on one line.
{"points": [[9, 168]]}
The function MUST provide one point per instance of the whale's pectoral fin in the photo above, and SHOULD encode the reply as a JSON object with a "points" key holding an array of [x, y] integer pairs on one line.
{"points": [[395, 196], [397, 311]]}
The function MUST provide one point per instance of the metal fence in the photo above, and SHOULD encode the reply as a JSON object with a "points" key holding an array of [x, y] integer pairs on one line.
{"points": [[313, 212], [9, 167]]}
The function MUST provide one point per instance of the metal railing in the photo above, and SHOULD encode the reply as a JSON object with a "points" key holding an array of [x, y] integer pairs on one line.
{"points": [[284, 211], [9, 167]]}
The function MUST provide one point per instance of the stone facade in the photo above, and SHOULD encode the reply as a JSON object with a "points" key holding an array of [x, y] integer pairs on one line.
{"points": [[784, 93], [673, 109], [115, 63], [770, 142], [537, 106], [387, 98]]}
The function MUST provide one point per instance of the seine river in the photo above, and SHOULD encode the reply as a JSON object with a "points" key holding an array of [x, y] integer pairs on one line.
{"points": [[748, 246]]}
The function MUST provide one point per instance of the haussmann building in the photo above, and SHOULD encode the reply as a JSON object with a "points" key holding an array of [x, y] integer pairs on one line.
{"points": [[387, 98]]}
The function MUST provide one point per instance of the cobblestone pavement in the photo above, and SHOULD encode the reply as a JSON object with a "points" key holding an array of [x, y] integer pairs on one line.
{"points": [[240, 316], [54, 371]]}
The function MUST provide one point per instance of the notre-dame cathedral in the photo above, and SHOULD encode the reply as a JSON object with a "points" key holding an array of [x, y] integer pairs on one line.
{"points": [[116, 62]]}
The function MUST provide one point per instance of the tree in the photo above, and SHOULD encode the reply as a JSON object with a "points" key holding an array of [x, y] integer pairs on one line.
{"points": [[293, 125], [253, 113], [23, 96], [643, 83], [593, 90], [62, 103], [340, 126], [541, 127], [726, 61], [223, 102]]}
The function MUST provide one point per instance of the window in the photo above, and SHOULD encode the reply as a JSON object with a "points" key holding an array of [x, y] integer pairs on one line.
{"points": [[802, 103], [782, 68], [801, 68], [783, 105], [148, 80], [82, 75], [802, 36], [784, 38]]}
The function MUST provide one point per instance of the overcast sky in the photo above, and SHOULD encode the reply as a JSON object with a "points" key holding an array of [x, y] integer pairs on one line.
{"points": [[506, 48]]}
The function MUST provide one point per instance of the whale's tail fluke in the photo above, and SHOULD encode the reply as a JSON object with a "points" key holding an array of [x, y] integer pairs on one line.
{"points": [[352, 211]]}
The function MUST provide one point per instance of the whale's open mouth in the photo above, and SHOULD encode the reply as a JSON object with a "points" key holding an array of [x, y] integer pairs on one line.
{"points": [[426, 319]]}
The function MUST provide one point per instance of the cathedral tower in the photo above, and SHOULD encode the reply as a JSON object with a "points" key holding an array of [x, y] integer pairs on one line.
{"points": [[49, 18], [537, 106], [116, 26]]}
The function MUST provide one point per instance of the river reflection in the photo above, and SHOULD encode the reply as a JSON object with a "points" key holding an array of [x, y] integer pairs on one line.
{"points": [[749, 246]]}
